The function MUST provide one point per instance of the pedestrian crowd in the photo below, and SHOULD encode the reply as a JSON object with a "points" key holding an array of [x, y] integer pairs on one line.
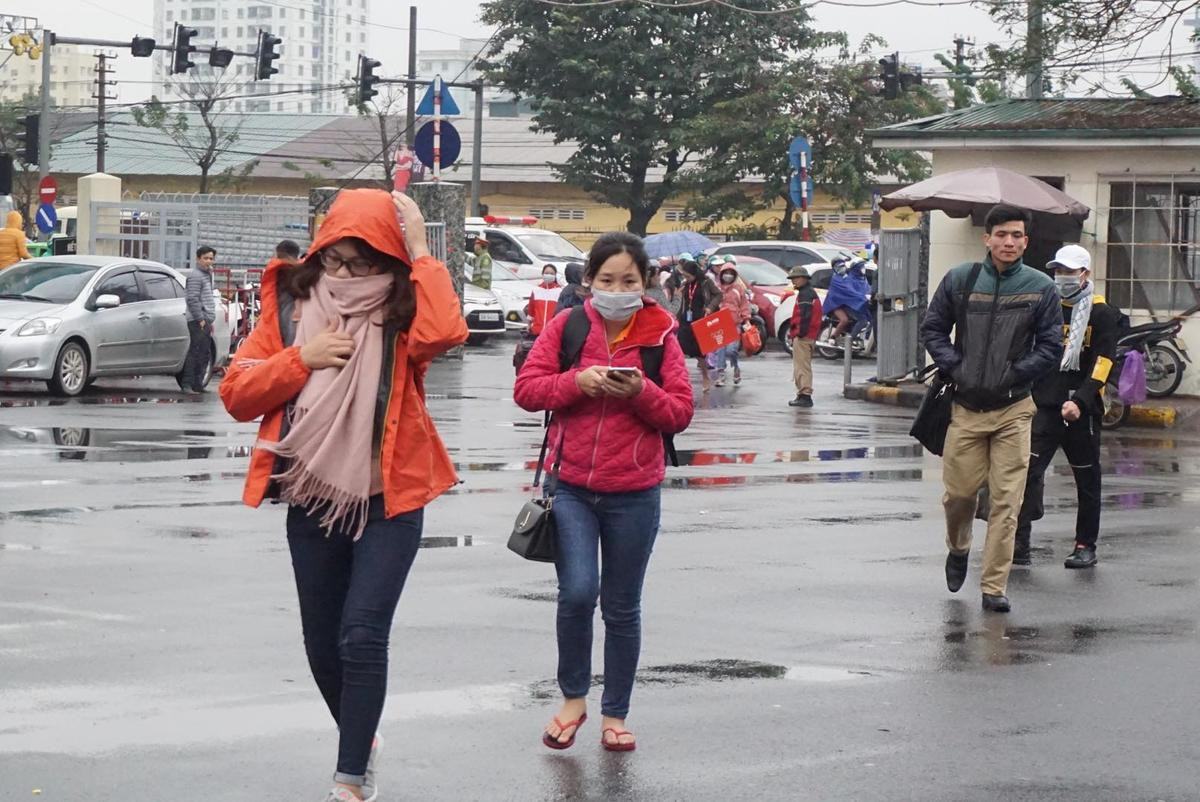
{"points": [[335, 370]]}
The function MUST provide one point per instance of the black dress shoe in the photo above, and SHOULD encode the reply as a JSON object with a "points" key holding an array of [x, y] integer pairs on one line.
{"points": [[996, 604], [806, 401], [796, 402], [1022, 556], [1082, 557], [956, 571]]}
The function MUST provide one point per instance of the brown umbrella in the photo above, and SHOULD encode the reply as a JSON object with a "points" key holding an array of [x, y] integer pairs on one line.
{"points": [[963, 193]]}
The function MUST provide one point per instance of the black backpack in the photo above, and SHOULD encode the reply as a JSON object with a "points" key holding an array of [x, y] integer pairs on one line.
{"points": [[575, 333]]}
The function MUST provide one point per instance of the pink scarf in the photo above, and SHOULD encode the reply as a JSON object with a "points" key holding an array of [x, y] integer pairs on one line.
{"points": [[329, 443]]}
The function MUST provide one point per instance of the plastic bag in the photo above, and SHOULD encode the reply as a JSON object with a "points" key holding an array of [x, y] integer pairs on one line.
{"points": [[1131, 387], [751, 340]]}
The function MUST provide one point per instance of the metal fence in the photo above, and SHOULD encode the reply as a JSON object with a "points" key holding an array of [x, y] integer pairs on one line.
{"points": [[435, 234], [900, 305], [244, 229], [163, 232]]}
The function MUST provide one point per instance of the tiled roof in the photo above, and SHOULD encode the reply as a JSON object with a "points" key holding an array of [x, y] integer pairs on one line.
{"points": [[1079, 117]]}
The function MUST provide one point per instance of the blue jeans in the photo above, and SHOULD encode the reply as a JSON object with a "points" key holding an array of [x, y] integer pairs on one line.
{"points": [[348, 592], [729, 355], [618, 529]]}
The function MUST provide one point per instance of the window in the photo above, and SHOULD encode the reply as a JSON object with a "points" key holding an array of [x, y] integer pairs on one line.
{"points": [[1154, 245], [282, 13], [445, 66], [825, 217], [122, 285], [239, 32], [426, 66], [224, 13], [504, 249], [362, 38], [160, 286], [559, 214], [224, 33], [301, 31], [241, 13], [300, 70], [348, 37], [170, 16]]}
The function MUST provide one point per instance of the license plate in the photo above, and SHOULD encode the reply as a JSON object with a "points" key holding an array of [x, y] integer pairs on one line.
{"points": [[489, 317]]}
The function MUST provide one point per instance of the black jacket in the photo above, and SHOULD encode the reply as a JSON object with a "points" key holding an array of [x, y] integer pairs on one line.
{"points": [[1105, 325], [1007, 332]]}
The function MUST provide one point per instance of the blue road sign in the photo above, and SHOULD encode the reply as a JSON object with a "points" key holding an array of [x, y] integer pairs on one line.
{"points": [[451, 144], [46, 218], [449, 107], [800, 145]]}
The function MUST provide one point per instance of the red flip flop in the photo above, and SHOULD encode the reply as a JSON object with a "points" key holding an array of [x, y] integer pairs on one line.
{"points": [[617, 746], [554, 743]]}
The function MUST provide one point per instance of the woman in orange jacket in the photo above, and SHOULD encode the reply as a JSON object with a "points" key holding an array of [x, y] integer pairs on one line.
{"points": [[335, 368], [12, 240]]}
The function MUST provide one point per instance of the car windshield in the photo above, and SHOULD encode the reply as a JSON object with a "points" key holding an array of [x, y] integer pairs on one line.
{"points": [[503, 273], [831, 252], [50, 282], [760, 271], [548, 245]]}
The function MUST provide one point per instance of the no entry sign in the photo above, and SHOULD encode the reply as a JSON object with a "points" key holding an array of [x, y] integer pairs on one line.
{"points": [[48, 190]]}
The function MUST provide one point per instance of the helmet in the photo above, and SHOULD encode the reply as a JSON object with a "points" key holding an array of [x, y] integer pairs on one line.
{"points": [[859, 264], [685, 257], [716, 259], [799, 271], [730, 259]]}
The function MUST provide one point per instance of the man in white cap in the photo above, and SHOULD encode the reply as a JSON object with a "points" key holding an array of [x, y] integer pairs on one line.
{"points": [[1070, 405]]}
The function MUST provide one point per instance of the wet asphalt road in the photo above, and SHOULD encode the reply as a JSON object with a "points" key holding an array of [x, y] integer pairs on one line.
{"points": [[799, 640]]}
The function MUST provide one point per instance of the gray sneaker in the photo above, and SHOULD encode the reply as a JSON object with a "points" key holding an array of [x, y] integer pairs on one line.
{"points": [[370, 788], [341, 795]]}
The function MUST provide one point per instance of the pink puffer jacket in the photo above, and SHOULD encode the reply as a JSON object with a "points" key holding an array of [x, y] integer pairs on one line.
{"points": [[612, 445]]}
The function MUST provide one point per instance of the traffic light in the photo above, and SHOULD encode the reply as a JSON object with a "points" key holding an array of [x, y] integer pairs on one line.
{"points": [[183, 49], [28, 138], [889, 73], [267, 55], [910, 79], [6, 174], [142, 47], [220, 57], [367, 79]]}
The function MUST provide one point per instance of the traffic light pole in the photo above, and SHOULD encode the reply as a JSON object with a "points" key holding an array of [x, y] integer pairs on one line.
{"points": [[47, 128]]}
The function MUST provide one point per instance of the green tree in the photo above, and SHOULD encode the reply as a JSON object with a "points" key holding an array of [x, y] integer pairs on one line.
{"points": [[207, 135], [833, 105], [628, 83]]}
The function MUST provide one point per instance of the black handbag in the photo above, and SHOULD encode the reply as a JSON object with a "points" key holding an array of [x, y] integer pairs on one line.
{"points": [[933, 417], [534, 535]]}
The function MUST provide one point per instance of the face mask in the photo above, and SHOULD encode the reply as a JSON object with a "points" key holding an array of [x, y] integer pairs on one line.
{"points": [[727, 279], [1068, 286], [549, 277], [616, 305]]}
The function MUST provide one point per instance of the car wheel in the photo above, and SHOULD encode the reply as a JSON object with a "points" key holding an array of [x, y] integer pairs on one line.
{"points": [[476, 339], [784, 339], [209, 369], [70, 371]]}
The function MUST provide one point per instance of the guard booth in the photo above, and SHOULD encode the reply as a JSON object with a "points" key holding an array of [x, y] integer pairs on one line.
{"points": [[900, 302], [162, 232]]}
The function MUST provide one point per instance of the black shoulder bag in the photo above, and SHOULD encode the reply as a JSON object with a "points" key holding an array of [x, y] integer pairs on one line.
{"points": [[933, 417], [534, 535]]}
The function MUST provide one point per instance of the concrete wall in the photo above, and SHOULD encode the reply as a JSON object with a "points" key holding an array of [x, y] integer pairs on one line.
{"points": [[1087, 174]]}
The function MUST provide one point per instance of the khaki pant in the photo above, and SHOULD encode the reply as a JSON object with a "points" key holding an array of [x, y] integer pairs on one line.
{"points": [[802, 365], [989, 448]]}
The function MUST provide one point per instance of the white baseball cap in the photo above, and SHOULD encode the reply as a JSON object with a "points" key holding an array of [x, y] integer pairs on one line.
{"points": [[1071, 257]]}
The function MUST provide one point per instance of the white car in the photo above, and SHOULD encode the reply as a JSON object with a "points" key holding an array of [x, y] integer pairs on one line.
{"points": [[68, 320], [483, 313], [790, 253], [524, 249], [820, 282], [513, 293]]}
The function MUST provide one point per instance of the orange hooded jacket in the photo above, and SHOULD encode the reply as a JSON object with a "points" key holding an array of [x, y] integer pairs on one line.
{"points": [[267, 371], [12, 240]]}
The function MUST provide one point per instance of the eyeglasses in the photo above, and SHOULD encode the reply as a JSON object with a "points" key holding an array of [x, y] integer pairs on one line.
{"points": [[357, 267]]}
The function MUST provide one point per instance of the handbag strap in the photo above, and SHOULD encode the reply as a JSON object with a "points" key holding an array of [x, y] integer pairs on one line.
{"points": [[965, 300], [552, 476]]}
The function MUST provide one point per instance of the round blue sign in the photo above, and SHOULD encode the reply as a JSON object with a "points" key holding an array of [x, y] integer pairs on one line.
{"points": [[451, 144], [46, 218]]}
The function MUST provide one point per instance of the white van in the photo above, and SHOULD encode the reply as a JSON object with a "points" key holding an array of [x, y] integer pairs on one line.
{"points": [[518, 245]]}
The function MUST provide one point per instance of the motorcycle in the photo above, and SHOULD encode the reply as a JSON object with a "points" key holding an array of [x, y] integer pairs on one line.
{"points": [[862, 340], [1164, 353]]}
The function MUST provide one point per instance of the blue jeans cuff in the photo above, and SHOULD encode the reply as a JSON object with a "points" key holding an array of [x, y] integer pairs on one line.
{"points": [[349, 779]]}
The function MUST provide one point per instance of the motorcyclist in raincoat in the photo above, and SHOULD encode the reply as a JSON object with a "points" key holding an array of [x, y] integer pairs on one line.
{"points": [[849, 298]]}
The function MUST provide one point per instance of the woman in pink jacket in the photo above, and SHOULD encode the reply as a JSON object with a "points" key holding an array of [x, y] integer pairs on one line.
{"points": [[733, 298], [608, 425]]}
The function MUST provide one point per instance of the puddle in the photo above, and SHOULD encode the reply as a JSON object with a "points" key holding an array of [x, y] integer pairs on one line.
{"points": [[62, 513], [187, 531], [117, 445], [996, 644], [111, 400], [686, 482], [882, 518], [447, 542]]}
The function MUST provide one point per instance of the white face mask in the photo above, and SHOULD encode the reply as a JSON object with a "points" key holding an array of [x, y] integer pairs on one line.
{"points": [[549, 277], [1069, 285], [616, 305]]}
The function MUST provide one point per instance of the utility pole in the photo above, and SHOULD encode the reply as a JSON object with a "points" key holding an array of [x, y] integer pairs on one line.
{"points": [[410, 121], [961, 43], [102, 84], [477, 149], [44, 123], [1035, 45]]}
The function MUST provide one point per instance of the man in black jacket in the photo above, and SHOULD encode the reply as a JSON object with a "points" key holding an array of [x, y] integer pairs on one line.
{"points": [[1006, 320], [1070, 405]]}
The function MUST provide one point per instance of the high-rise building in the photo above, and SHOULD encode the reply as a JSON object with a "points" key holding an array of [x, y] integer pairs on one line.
{"points": [[72, 77], [460, 65], [322, 40]]}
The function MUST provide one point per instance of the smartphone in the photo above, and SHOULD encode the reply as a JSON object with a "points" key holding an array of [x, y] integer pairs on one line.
{"points": [[621, 374]]}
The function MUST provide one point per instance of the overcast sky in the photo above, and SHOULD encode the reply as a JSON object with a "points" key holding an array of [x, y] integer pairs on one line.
{"points": [[915, 31]]}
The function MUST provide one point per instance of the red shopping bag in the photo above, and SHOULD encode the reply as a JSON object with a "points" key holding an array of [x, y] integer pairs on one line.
{"points": [[715, 331], [751, 340]]}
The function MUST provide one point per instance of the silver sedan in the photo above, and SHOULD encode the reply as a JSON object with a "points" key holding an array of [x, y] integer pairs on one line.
{"points": [[67, 320]]}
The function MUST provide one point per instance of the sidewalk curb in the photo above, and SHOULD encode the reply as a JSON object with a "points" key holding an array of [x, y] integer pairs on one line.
{"points": [[910, 396]]}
